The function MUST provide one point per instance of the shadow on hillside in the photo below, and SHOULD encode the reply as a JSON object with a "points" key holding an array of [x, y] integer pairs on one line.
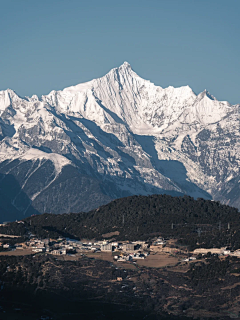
{"points": [[14, 203], [172, 169], [105, 138], [7, 129]]}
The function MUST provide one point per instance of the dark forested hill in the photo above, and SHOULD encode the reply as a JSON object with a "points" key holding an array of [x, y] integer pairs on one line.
{"points": [[143, 217]]}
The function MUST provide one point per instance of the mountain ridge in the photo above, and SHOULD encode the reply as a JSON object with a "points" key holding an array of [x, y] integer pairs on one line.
{"points": [[120, 131]]}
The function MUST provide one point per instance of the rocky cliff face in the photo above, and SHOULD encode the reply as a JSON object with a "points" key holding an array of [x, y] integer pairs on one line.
{"points": [[119, 135]]}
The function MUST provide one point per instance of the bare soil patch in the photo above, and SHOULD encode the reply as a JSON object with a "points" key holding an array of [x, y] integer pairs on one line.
{"points": [[23, 252], [125, 265], [107, 256], [110, 234], [158, 260]]}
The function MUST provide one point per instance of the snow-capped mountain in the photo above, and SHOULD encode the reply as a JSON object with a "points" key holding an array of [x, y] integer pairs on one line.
{"points": [[115, 136]]}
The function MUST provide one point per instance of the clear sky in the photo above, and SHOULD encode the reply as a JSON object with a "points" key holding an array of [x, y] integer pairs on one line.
{"points": [[52, 44]]}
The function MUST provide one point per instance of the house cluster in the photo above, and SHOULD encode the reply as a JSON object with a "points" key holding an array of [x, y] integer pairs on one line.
{"points": [[127, 251], [222, 251], [131, 256], [36, 245], [124, 250], [39, 245], [160, 242]]}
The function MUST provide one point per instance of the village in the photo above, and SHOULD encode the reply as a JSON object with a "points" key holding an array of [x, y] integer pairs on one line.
{"points": [[126, 268], [158, 252], [123, 251]]}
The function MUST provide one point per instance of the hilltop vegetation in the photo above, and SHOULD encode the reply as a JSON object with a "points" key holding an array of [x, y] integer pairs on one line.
{"points": [[193, 222]]}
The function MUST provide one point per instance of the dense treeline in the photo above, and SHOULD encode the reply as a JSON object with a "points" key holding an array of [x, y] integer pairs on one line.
{"points": [[13, 228], [194, 222]]}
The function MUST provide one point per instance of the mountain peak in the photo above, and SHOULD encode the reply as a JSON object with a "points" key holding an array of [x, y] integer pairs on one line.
{"points": [[11, 92], [207, 94], [121, 73], [123, 68], [126, 65]]}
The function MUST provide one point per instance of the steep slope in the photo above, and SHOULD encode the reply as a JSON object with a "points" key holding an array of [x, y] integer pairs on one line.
{"points": [[119, 135]]}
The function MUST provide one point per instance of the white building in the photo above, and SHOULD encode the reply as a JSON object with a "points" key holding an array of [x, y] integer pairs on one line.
{"points": [[106, 247]]}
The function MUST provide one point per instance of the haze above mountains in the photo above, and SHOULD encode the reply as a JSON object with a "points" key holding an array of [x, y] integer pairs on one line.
{"points": [[119, 135]]}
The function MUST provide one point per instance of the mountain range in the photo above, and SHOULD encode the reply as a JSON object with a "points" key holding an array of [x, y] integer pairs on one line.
{"points": [[76, 149]]}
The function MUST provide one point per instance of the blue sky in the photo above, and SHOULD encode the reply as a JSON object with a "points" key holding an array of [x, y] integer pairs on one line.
{"points": [[52, 44]]}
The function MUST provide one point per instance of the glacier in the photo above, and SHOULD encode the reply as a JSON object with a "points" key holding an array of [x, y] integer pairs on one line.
{"points": [[78, 148]]}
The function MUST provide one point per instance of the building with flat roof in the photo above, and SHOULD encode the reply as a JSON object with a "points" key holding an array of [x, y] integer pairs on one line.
{"points": [[107, 247], [128, 247]]}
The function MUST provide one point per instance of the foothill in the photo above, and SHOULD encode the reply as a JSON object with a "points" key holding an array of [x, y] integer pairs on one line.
{"points": [[156, 255]]}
